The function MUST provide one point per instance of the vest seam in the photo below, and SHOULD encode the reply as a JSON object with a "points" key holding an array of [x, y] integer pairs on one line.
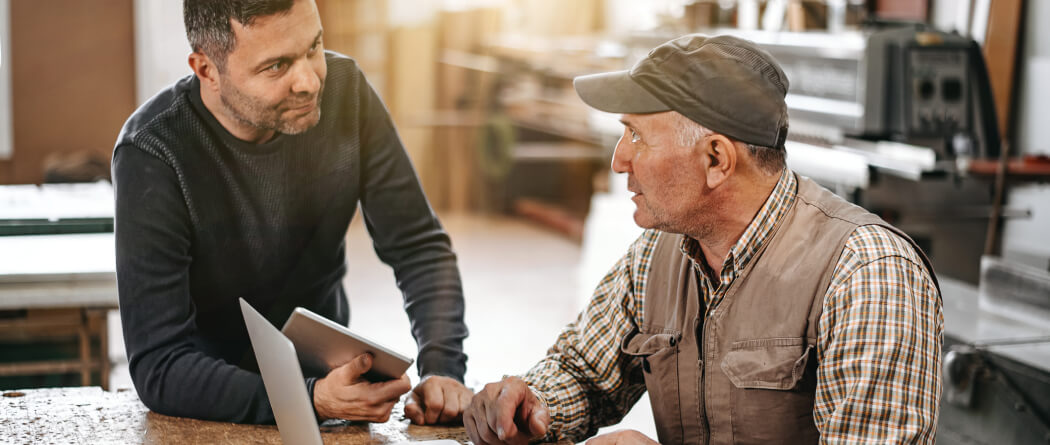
{"points": [[648, 329], [834, 215], [837, 215]]}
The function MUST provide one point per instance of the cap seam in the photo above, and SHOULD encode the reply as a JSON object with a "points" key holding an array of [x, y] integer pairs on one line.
{"points": [[752, 58]]}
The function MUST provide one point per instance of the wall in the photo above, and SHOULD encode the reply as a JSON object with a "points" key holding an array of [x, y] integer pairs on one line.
{"points": [[1028, 240], [161, 48], [72, 79]]}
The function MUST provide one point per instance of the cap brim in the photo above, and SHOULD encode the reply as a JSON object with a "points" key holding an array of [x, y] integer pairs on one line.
{"points": [[616, 92]]}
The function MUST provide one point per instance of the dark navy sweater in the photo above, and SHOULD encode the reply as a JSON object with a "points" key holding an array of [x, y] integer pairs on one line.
{"points": [[203, 218]]}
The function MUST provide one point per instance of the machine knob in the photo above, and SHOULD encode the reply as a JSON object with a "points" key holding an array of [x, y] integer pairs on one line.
{"points": [[926, 89]]}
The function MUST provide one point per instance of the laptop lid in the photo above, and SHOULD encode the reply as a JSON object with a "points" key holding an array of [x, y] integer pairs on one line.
{"points": [[283, 379]]}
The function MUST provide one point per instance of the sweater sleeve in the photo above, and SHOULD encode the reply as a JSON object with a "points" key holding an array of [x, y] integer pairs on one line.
{"points": [[172, 372], [407, 236]]}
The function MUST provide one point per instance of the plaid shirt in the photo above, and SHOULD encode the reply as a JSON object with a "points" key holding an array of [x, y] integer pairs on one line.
{"points": [[879, 338]]}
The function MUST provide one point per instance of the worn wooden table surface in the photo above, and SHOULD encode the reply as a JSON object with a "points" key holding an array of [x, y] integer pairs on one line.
{"points": [[91, 416]]}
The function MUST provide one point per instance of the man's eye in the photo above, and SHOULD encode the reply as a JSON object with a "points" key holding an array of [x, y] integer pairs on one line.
{"points": [[277, 67], [635, 138]]}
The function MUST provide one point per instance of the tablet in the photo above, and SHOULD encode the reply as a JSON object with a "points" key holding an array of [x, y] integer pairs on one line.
{"points": [[323, 345]]}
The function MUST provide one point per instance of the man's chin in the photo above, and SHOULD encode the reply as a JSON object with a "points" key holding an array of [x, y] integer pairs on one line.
{"points": [[302, 124], [643, 219]]}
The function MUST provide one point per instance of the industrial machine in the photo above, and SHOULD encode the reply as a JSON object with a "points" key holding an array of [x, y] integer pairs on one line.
{"points": [[904, 84]]}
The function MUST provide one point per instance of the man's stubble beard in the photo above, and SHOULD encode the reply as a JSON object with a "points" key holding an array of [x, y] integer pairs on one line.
{"points": [[695, 223], [252, 112]]}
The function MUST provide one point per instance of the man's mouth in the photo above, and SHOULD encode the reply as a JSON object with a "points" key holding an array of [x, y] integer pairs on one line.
{"points": [[302, 108], [632, 187]]}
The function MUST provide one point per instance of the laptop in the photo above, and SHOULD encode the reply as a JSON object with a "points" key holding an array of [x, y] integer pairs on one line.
{"points": [[285, 385], [283, 378]]}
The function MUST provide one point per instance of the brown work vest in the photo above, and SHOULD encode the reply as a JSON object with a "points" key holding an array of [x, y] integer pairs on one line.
{"points": [[754, 379]]}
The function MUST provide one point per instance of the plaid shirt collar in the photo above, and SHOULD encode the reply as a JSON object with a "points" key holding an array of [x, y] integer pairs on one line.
{"points": [[756, 234]]}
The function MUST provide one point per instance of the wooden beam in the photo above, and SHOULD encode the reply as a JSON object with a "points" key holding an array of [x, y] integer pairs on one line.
{"points": [[1000, 54], [49, 367]]}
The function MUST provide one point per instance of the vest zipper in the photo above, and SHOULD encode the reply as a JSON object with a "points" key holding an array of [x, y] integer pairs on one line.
{"points": [[705, 433], [705, 429], [709, 312]]}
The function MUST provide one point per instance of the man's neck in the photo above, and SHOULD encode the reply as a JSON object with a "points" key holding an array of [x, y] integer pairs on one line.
{"points": [[732, 219], [240, 130]]}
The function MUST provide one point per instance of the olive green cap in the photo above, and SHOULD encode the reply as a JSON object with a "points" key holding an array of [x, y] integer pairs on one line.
{"points": [[724, 83]]}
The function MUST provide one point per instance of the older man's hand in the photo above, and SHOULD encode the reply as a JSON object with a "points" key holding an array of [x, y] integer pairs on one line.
{"points": [[622, 437], [437, 399], [506, 412]]}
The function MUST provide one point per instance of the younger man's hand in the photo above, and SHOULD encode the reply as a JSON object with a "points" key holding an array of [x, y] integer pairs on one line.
{"points": [[345, 394], [437, 399]]}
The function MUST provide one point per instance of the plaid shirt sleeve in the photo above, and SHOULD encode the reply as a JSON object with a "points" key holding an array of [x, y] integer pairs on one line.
{"points": [[879, 345], [585, 380]]}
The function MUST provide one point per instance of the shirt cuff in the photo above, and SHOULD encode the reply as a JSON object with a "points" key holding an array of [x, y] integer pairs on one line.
{"points": [[437, 363], [551, 435], [310, 382]]}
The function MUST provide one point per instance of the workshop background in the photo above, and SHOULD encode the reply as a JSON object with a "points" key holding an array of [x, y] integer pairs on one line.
{"points": [[931, 113]]}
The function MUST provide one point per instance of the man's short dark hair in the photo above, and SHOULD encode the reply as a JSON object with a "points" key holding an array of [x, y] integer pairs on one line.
{"points": [[208, 23], [771, 160]]}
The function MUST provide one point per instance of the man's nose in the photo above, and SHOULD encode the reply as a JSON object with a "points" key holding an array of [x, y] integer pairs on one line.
{"points": [[305, 80], [621, 160]]}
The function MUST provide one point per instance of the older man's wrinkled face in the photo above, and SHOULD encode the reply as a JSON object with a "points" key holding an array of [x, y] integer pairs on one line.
{"points": [[668, 180], [275, 74]]}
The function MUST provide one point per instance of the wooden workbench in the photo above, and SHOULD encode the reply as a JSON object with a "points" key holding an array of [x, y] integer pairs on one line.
{"points": [[65, 284], [91, 415], [57, 273]]}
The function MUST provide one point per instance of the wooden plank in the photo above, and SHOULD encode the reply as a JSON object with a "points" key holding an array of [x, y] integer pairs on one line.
{"points": [[917, 10], [100, 322], [48, 367], [458, 30], [82, 325], [412, 74], [551, 216], [84, 337], [1000, 54], [359, 28]]}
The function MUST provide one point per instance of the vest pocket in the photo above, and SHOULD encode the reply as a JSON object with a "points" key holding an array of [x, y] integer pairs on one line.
{"points": [[659, 355], [767, 363]]}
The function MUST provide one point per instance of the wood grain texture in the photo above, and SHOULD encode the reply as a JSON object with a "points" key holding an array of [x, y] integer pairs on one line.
{"points": [[1000, 54], [90, 415]]}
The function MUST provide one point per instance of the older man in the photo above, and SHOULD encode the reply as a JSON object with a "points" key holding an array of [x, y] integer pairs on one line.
{"points": [[757, 308], [240, 180]]}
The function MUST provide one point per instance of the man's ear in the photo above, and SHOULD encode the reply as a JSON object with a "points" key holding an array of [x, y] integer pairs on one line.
{"points": [[722, 155], [205, 69]]}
